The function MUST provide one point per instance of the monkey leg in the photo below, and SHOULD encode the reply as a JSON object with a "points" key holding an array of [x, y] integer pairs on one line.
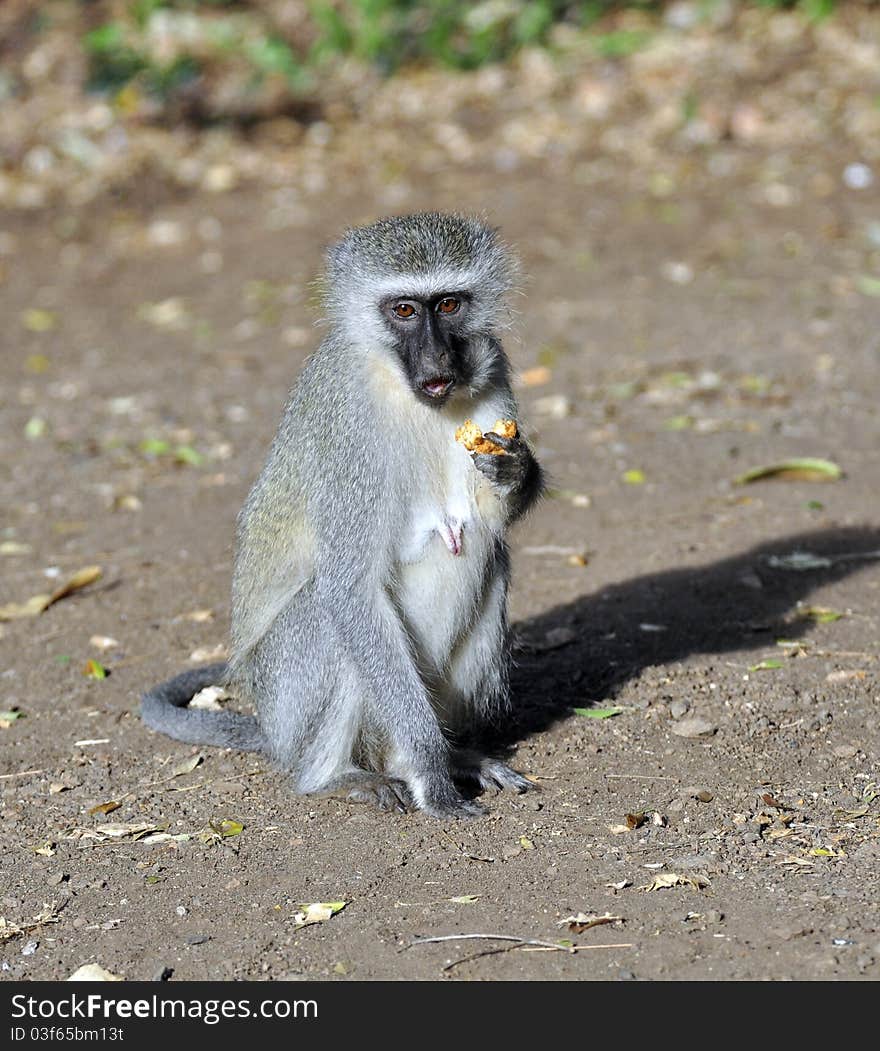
{"points": [[476, 686]]}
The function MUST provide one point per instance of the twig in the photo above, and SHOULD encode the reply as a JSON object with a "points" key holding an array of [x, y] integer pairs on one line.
{"points": [[640, 777], [21, 773], [492, 937], [527, 944], [463, 852]]}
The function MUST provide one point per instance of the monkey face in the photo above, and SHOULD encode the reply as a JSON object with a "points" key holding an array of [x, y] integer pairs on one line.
{"points": [[430, 338]]}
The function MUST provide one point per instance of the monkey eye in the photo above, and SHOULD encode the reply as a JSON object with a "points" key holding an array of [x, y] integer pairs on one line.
{"points": [[449, 305], [404, 310]]}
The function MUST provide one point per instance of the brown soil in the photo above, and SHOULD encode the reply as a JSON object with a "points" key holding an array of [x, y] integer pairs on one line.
{"points": [[748, 324]]}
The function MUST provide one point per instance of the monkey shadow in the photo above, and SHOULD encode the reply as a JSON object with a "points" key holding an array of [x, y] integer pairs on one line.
{"points": [[584, 651]]}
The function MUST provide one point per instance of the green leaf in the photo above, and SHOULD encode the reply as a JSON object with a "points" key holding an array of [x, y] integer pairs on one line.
{"points": [[10, 716], [34, 428], [227, 827], [36, 320], [634, 477], [820, 614], [154, 447], [678, 423], [768, 665], [597, 713], [94, 670], [868, 285], [187, 454], [805, 468]]}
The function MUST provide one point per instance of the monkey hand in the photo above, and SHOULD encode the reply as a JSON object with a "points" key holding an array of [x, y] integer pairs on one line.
{"points": [[511, 472]]}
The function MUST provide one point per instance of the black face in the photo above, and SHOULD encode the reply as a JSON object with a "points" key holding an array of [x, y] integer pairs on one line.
{"points": [[431, 342]]}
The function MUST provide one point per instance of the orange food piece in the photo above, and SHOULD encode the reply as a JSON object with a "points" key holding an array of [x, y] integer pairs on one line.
{"points": [[472, 438]]}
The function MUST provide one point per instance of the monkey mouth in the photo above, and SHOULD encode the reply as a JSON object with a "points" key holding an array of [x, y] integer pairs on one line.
{"points": [[437, 386]]}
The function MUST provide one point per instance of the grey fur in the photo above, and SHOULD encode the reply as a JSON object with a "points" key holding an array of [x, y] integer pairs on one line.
{"points": [[353, 684]]}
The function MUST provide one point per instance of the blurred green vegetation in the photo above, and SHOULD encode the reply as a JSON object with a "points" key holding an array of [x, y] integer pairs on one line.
{"points": [[168, 49]]}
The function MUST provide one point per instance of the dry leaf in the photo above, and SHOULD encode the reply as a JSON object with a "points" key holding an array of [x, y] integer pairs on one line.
{"points": [[10, 929], [672, 879], [93, 972], [209, 653], [13, 547], [583, 922], [619, 830], [634, 821], [536, 377], [39, 603], [845, 676], [103, 833], [105, 808], [317, 912], [209, 698], [103, 642], [620, 885], [186, 766]]}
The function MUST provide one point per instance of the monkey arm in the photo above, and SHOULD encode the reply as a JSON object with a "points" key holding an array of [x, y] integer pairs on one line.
{"points": [[517, 475]]}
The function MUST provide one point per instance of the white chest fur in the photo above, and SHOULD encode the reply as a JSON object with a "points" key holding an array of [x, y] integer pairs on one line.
{"points": [[453, 518]]}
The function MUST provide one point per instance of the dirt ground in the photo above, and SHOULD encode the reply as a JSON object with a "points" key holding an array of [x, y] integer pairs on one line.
{"points": [[687, 337]]}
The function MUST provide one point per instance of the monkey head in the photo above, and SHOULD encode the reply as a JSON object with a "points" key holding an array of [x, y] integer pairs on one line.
{"points": [[431, 290]]}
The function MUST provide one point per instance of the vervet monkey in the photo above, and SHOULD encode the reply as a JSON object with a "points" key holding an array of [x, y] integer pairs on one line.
{"points": [[369, 595]]}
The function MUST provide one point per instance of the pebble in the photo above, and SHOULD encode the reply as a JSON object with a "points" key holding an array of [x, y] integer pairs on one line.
{"points": [[198, 939], [845, 751], [857, 176], [700, 793], [679, 708], [29, 948], [694, 727], [556, 406], [691, 861]]}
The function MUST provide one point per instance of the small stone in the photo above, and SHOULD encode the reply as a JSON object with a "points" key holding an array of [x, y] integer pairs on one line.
{"points": [[56, 878], [845, 751], [556, 406], [163, 233], [857, 176], [678, 273], [679, 708], [29, 948], [219, 178], [162, 974], [694, 727], [198, 939], [691, 861]]}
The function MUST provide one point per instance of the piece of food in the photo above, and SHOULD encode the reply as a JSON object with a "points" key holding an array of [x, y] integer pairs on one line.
{"points": [[472, 438]]}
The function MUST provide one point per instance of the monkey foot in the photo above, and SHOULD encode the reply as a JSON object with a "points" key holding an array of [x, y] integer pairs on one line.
{"points": [[386, 793], [490, 773], [453, 806]]}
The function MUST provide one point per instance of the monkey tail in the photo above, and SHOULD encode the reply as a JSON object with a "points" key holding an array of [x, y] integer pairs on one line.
{"points": [[164, 708]]}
